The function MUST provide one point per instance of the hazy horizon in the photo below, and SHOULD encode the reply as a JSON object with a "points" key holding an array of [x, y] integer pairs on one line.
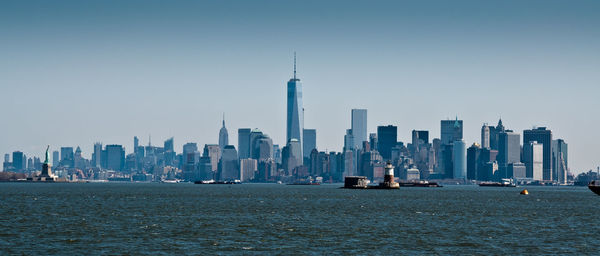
{"points": [[73, 73]]}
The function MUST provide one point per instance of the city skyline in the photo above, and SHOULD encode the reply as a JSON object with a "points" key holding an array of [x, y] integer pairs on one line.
{"points": [[87, 83]]}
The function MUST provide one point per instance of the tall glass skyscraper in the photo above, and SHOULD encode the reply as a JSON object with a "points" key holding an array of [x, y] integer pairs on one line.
{"points": [[295, 111], [359, 127]]}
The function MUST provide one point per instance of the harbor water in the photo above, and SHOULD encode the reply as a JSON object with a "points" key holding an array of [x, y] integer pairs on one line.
{"points": [[152, 218]]}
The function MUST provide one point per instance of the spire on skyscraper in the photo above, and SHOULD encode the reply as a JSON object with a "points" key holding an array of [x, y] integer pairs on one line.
{"points": [[294, 65]]}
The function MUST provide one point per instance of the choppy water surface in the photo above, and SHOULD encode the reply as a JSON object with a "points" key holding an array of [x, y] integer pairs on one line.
{"points": [[280, 219]]}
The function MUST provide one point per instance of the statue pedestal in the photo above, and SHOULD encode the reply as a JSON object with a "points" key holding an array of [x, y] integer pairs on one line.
{"points": [[46, 173]]}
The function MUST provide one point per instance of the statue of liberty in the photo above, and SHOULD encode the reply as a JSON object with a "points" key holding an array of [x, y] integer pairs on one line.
{"points": [[47, 155]]}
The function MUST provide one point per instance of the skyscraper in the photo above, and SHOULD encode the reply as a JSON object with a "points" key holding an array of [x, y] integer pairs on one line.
{"points": [[56, 157], [229, 168], [387, 138], [247, 169], [451, 130], [19, 161], [115, 157], [213, 152], [509, 151], [168, 145], [560, 161], [295, 110], [67, 156], [223, 136], [544, 137], [420, 137], [494, 131], [244, 142], [485, 136], [97, 155], [348, 140], [136, 143], [310, 141], [533, 155], [262, 148], [255, 135], [473, 159], [460, 159], [359, 127], [373, 141]]}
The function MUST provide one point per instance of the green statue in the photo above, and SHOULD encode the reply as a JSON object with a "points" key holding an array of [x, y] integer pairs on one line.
{"points": [[47, 155]]}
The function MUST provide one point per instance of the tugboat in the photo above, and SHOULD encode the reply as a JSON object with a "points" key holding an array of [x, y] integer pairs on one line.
{"points": [[594, 186]]}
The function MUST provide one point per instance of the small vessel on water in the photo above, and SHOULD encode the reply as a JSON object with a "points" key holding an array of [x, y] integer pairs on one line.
{"points": [[594, 186], [305, 183], [425, 184], [503, 183], [229, 182]]}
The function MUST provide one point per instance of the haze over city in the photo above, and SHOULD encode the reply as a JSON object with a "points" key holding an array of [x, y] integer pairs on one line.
{"points": [[74, 73]]}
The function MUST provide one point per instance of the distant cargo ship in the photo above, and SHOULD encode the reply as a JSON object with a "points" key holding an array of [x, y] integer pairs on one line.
{"points": [[504, 183], [425, 184], [229, 182], [305, 183], [594, 186]]}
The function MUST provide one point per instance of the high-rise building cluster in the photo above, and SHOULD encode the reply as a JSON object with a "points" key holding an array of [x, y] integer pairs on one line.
{"points": [[501, 154]]}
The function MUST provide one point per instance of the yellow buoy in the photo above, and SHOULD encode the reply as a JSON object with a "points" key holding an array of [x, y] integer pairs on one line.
{"points": [[524, 192]]}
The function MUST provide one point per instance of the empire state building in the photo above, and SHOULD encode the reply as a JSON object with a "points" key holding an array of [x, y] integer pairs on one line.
{"points": [[295, 111]]}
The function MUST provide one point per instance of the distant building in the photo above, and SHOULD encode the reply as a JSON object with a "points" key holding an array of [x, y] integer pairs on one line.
{"points": [[67, 157], [255, 135], [517, 170], [263, 148], [295, 110], [387, 138], [266, 170], [485, 136], [229, 168], [560, 160], [244, 142], [213, 152], [169, 152], [19, 161], [223, 136], [348, 165], [56, 157], [169, 145], [473, 161], [419, 138], [136, 143], [460, 159], [544, 137], [114, 157], [533, 155], [291, 157], [451, 130], [97, 155], [485, 171], [277, 153], [248, 168], [359, 127], [349, 140], [494, 131], [373, 141], [509, 151], [310, 142]]}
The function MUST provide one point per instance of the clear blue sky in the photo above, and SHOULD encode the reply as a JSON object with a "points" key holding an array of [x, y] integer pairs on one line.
{"points": [[76, 72]]}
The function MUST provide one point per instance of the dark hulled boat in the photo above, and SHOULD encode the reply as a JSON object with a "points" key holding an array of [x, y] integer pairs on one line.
{"points": [[594, 186]]}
